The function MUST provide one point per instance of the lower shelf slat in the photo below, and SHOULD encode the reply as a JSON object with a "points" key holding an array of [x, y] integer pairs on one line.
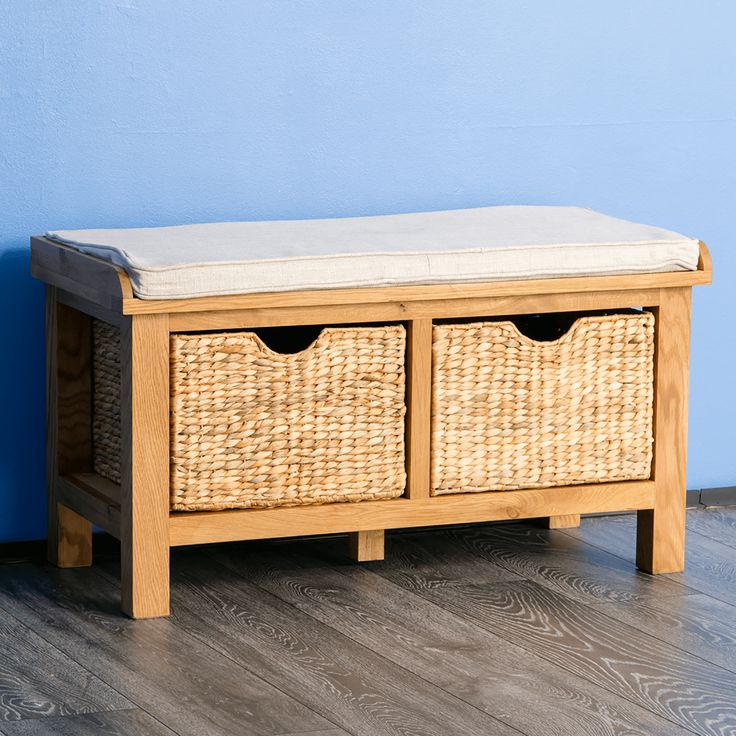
{"points": [[201, 527], [93, 497], [97, 500]]}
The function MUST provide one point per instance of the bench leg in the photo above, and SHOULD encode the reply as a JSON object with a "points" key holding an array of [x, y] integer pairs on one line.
{"points": [[566, 521], [660, 542], [69, 537], [366, 546], [144, 523], [68, 426]]}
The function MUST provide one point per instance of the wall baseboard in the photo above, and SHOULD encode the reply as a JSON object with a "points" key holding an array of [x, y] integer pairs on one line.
{"points": [[725, 496], [35, 550]]}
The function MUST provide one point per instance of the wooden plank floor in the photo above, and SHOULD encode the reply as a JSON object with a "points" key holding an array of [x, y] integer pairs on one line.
{"points": [[483, 630]]}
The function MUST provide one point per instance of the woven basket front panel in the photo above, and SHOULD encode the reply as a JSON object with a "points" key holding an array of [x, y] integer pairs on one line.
{"points": [[509, 412], [255, 428], [106, 402]]}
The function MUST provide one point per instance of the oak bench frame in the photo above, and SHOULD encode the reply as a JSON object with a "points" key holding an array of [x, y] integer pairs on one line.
{"points": [[81, 287]]}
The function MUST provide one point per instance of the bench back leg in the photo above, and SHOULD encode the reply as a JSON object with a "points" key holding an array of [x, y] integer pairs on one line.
{"points": [[68, 425], [660, 544], [366, 546], [144, 414], [566, 521]]}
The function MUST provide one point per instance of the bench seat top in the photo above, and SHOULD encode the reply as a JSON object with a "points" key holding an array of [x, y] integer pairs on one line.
{"points": [[471, 245]]}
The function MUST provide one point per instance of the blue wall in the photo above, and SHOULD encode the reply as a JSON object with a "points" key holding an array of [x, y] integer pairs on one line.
{"points": [[128, 112]]}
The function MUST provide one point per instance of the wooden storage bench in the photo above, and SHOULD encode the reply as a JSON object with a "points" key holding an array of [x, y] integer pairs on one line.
{"points": [[176, 421]]}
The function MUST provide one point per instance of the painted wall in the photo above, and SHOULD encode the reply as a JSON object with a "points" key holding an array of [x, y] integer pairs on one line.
{"points": [[127, 112]]}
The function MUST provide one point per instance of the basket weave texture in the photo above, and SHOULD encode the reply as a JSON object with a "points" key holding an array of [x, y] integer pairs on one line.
{"points": [[255, 428], [106, 405], [509, 412], [252, 428]]}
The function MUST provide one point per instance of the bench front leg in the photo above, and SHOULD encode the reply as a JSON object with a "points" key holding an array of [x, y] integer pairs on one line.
{"points": [[144, 528], [660, 543]]}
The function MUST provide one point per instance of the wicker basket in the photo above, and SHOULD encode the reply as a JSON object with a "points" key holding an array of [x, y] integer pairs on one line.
{"points": [[510, 412], [252, 428]]}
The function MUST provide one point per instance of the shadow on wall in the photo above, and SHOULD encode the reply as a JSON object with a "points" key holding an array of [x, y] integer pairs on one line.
{"points": [[22, 389]]}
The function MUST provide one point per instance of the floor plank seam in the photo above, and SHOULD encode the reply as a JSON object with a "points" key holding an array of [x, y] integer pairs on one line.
{"points": [[374, 653], [75, 718], [669, 576], [559, 566], [477, 625], [102, 572], [408, 671], [664, 641], [590, 680], [305, 638], [71, 657]]}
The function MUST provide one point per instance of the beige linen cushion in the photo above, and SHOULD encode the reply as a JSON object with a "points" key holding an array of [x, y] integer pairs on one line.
{"points": [[471, 245]]}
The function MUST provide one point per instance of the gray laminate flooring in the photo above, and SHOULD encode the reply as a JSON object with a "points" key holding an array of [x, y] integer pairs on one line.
{"points": [[480, 630]]}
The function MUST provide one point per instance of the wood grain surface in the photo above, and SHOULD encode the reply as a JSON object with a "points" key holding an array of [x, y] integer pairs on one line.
{"points": [[354, 687], [484, 629], [159, 667], [37, 680], [710, 565], [718, 524], [68, 426], [132, 722], [683, 689], [474, 664], [144, 466], [558, 562]]}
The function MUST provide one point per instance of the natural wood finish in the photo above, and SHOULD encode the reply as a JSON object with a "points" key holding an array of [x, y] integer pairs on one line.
{"points": [[81, 304], [86, 276], [102, 487], [71, 545], [392, 310], [366, 546], [138, 510], [423, 292], [705, 262], [287, 316], [562, 522], [294, 521], [660, 542], [145, 466], [84, 499], [419, 406], [68, 426]]}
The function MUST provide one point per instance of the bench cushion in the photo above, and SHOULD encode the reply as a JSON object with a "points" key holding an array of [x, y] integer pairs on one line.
{"points": [[482, 244]]}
